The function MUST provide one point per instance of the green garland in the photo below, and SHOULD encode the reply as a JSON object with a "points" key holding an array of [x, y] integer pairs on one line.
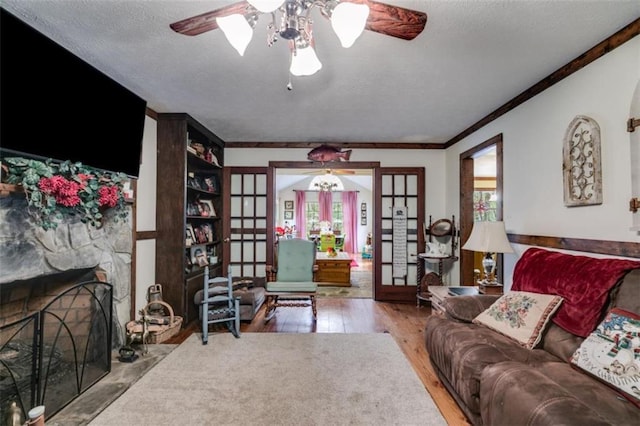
{"points": [[55, 190]]}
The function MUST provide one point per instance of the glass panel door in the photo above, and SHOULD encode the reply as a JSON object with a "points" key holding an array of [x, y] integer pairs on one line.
{"points": [[398, 236], [247, 197]]}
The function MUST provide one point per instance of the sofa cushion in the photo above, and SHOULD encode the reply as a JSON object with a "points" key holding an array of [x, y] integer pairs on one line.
{"points": [[612, 353], [552, 393], [466, 308], [583, 282], [520, 315]]}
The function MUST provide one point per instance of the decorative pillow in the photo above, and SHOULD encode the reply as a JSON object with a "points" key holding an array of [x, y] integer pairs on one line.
{"points": [[520, 315], [583, 282], [611, 353]]}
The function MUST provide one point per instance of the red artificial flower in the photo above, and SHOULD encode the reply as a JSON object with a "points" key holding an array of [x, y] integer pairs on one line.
{"points": [[64, 191], [108, 196], [279, 230]]}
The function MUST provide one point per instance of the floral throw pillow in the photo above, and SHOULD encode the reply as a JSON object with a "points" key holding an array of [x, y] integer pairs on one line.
{"points": [[520, 315], [611, 353]]}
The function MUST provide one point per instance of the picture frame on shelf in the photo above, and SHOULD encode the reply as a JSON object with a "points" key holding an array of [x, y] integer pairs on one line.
{"points": [[288, 205], [206, 208], [199, 234], [207, 230], [190, 236], [288, 215], [193, 209], [199, 255], [210, 184]]}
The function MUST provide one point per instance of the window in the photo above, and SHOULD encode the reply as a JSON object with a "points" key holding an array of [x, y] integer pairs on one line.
{"points": [[312, 214], [485, 205], [337, 216]]}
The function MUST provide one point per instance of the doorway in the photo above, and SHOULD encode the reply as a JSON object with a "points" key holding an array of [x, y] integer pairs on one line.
{"points": [[351, 225], [480, 199], [250, 205]]}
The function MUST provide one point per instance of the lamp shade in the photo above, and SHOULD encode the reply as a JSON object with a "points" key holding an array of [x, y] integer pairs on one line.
{"points": [[304, 62], [348, 21], [488, 237], [237, 30]]}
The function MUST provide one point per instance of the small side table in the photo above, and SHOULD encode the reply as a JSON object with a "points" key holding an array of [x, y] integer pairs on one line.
{"points": [[441, 292], [485, 288]]}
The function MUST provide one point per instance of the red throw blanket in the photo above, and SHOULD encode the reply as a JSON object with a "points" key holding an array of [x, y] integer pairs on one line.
{"points": [[583, 282]]}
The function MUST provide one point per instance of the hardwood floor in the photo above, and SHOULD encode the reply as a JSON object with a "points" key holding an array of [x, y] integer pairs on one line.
{"points": [[405, 322]]}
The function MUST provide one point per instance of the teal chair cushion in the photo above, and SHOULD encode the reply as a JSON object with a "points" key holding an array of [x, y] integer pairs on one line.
{"points": [[293, 286], [296, 258]]}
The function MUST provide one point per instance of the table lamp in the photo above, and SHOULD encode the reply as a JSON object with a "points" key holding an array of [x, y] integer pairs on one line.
{"points": [[488, 238]]}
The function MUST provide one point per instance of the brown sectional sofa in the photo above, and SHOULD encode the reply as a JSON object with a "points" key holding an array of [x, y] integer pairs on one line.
{"points": [[496, 381]]}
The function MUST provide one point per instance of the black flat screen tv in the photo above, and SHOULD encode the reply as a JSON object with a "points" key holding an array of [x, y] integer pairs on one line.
{"points": [[55, 105]]}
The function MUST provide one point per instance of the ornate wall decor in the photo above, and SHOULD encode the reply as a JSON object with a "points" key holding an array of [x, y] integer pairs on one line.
{"points": [[582, 167]]}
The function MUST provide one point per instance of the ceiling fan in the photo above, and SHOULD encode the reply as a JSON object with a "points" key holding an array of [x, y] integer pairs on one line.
{"points": [[348, 19], [394, 21], [331, 172]]}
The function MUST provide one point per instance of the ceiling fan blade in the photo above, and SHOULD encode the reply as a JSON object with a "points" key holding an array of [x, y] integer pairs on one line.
{"points": [[207, 21], [330, 171], [394, 21]]}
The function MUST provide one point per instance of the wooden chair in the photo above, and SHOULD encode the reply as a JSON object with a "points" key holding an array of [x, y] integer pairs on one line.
{"points": [[327, 241], [219, 305], [290, 282]]}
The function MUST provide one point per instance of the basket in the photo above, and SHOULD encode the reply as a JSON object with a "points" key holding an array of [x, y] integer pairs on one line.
{"points": [[157, 333]]}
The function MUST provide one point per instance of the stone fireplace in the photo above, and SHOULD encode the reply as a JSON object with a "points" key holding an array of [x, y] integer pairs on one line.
{"points": [[67, 289]]}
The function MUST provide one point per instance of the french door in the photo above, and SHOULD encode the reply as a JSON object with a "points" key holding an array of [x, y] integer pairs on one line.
{"points": [[248, 232], [398, 236], [249, 237]]}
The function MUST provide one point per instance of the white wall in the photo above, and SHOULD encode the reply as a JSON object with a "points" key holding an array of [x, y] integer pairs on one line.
{"points": [[146, 215], [533, 137], [432, 160]]}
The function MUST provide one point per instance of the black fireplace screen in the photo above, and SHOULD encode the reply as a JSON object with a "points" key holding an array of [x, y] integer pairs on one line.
{"points": [[57, 353]]}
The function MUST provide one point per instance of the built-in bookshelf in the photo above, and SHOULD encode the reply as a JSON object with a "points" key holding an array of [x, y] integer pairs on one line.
{"points": [[189, 204]]}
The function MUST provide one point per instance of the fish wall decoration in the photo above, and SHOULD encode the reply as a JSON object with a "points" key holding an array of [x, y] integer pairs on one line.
{"points": [[328, 153]]}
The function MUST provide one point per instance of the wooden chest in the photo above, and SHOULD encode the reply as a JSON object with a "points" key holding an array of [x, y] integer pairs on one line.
{"points": [[334, 271]]}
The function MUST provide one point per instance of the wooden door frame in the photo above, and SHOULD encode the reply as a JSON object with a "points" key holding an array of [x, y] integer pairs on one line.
{"points": [[372, 165], [466, 204]]}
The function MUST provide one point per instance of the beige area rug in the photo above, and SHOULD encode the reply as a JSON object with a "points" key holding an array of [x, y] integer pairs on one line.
{"points": [[278, 379], [361, 287]]}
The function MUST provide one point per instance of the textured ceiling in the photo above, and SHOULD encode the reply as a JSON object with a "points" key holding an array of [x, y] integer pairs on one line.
{"points": [[473, 56]]}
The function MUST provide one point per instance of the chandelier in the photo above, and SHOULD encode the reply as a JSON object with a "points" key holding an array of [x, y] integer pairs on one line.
{"points": [[326, 182], [290, 20]]}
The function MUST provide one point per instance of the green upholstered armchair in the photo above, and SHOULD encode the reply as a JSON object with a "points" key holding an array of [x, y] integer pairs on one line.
{"points": [[290, 282]]}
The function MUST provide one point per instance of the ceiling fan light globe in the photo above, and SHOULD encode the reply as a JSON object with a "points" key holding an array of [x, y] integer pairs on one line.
{"points": [[348, 21], [266, 6], [304, 62], [237, 30]]}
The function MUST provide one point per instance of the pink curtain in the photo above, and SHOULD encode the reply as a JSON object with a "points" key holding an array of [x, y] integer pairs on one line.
{"points": [[301, 219], [350, 221], [325, 201]]}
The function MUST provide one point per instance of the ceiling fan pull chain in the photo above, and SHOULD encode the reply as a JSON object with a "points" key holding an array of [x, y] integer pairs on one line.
{"points": [[289, 85]]}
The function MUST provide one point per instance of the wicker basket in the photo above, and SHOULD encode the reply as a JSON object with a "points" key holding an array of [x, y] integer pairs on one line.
{"points": [[157, 333]]}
